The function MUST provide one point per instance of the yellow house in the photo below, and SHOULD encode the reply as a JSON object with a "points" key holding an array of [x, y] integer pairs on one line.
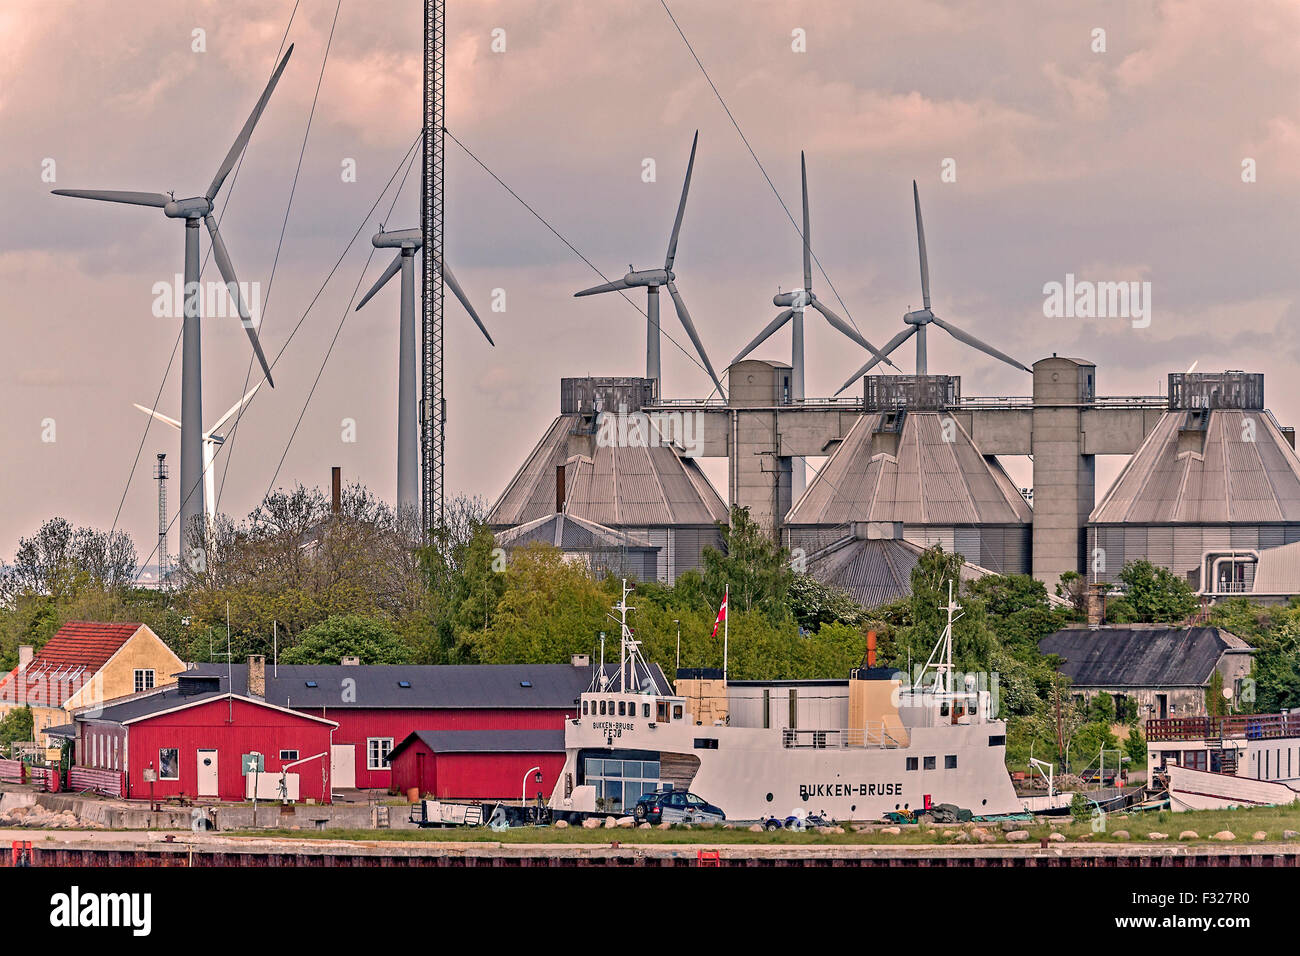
{"points": [[83, 665]]}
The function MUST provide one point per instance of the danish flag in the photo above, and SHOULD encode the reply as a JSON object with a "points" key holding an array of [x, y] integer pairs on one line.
{"points": [[722, 612]]}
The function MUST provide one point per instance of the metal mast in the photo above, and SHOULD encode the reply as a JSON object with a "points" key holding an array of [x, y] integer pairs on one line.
{"points": [[433, 406], [160, 475]]}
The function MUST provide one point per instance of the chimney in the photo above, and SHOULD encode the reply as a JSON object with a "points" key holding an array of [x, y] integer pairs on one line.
{"points": [[336, 490], [257, 675], [351, 661], [25, 654], [581, 660], [871, 648], [559, 489]]}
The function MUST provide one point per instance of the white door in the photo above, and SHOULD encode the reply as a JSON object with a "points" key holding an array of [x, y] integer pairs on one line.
{"points": [[208, 774], [343, 767]]}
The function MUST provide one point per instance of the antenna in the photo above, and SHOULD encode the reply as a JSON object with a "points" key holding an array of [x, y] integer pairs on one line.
{"points": [[160, 475]]}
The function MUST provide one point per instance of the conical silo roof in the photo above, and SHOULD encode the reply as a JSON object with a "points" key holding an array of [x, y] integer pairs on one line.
{"points": [[917, 467], [1198, 466]]}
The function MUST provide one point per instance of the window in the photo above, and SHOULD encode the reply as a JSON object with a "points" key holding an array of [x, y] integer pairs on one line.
{"points": [[950, 762], [602, 708], [767, 709], [677, 711], [997, 740], [288, 756], [929, 763], [794, 708], [620, 783], [706, 743], [377, 749], [645, 709], [312, 683], [169, 764], [911, 763], [143, 679], [622, 708], [404, 684], [661, 711]]}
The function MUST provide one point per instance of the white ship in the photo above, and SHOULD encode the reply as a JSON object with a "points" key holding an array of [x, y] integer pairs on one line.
{"points": [[905, 746], [1215, 763]]}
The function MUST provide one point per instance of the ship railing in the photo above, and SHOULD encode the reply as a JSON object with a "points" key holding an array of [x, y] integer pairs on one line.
{"points": [[875, 734], [1248, 726]]}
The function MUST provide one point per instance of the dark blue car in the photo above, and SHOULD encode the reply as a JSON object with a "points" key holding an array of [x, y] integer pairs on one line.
{"points": [[676, 806]]}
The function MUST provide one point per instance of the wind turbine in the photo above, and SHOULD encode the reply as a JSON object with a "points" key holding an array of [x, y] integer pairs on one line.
{"points": [[652, 279], [407, 241], [211, 441], [190, 211], [918, 320]]}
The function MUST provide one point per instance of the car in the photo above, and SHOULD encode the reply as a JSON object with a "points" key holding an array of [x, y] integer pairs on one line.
{"points": [[676, 806]]}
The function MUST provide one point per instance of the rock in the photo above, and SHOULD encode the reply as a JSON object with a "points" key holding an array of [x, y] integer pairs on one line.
{"points": [[826, 830], [1189, 835], [978, 832], [1259, 836], [961, 837], [1017, 836], [1289, 834], [1054, 837], [610, 823], [1224, 836], [892, 831], [728, 826], [1009, 826], [756, 828], [1153, 835], [863, 828], [1120, 834], [664, 826], [988, 838], [837, 829], [644, 826], [561, 824], [590, 823], [625, 822]]}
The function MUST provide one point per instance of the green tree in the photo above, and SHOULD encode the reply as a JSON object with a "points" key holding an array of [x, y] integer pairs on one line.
{"points": [[16, 726], [1135, 748], [1156, 594], [754, 569], [373, 641]]}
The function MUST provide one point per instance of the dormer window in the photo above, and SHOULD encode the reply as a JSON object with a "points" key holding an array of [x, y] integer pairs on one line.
{"points": [[312, 683]]}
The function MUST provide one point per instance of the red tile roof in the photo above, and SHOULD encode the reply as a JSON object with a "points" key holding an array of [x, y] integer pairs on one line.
{"points": [[67, 661]]}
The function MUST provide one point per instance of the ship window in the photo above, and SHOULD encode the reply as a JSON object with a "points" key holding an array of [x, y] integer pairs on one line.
{"points": [[929, 763], [620, 783], [622, 708], [661, 711], [645, 709], [997, 740], [611, 708], [911, 763], [602, 708], [677, 711], [584, 708], [706, 743], [950, 762]]}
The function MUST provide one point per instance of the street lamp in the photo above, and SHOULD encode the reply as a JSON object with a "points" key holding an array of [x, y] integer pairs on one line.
{"points": [[523, 790], [679, 644]]}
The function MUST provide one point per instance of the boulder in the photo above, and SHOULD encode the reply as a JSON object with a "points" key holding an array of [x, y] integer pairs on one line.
{"points": [[1009, 826], [664, 826], [961, 837], [1189, 835], [756, 828], [978, 832], [988, 838], [590, 823], [1153, 835], [1289, 834], [1054, 837], [625, 822], [644, 826], [1259, 836], [892, 831], [1224, 836], [1120, 834], [1017, 836], [561, 824]]}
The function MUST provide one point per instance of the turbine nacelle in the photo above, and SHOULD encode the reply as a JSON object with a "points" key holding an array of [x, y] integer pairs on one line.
{"points": [[195, 208], [398, 239], [919, 317], [650, 278], [794, 299]]}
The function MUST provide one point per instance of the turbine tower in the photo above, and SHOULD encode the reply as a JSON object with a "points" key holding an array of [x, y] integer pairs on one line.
{"points": [[794, 303], [651, 280], [190, 211], [918, 320], [212, 440], [406, 242]]}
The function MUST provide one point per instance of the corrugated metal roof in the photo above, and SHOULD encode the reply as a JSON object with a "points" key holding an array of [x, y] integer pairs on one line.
{"points": [[929, 481], [1278, 570], [550, 686], [1241, 472], [611, 485], [569, 532], [1141, 657], [874, 571]]}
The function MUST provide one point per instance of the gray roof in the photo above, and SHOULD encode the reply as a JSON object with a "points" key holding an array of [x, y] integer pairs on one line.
{"points": [[485, 741], [930, 481], [571, 533], [1278, 571], [1226, 471], [616, 486], [1141, 657], [874, 571], [164, 699], [549, 686]]}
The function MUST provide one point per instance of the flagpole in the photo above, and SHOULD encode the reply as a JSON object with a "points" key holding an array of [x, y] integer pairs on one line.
{"points": [[726, 628]]}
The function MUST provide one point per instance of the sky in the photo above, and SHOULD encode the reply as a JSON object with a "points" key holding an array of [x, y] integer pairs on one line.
{"points": [[1150, 142]]}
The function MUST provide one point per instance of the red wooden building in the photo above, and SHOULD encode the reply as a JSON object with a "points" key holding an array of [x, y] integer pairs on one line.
{"points": [[191, 739], [479, 764], [376, 707]]}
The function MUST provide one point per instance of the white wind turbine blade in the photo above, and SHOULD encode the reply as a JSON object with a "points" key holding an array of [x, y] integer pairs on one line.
{"points": [[157, 200], [892, 344], [807, 236], [216, 426], [152, 413], [920, 243], [844, 327], [613, 286], [232, 284], [681, 208], [771, 327], [685, 317], [394, 267], [244, 134], [209, 480], [459, 293], [975, 343]]}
